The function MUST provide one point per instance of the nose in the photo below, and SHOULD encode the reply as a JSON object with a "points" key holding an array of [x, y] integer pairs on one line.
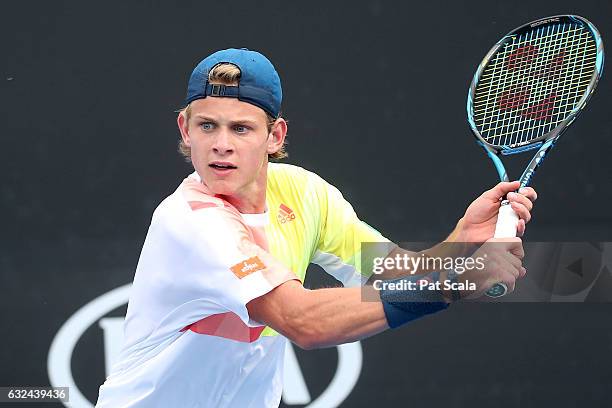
{"points": [[222, 144]]}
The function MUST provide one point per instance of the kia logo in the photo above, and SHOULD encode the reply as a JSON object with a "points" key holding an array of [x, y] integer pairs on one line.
{"points": [[295, 391]]}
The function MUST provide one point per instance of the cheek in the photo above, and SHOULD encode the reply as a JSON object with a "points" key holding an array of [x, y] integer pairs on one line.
{"points": [[196, 140], [253, 148]]}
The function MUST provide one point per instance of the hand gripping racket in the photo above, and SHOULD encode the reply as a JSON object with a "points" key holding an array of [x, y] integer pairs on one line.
{"points": [[528, 88]]}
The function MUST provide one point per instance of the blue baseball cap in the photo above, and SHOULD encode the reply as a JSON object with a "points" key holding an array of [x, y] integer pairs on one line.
{"points": [[259, 82]]}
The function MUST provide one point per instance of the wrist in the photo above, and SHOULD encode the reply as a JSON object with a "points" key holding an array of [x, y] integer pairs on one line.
{"points": [[405, 299]]}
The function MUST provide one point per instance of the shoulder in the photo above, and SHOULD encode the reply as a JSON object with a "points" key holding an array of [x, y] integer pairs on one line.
{"points": [[192, 210], [288, 174], [287, 170], [197, 197]]}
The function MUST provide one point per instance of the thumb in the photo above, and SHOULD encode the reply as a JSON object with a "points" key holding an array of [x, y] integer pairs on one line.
{"points": [[501, 189]]}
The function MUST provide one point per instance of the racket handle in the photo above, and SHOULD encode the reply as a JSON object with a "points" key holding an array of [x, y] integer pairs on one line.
{"points": [[507, 222]]}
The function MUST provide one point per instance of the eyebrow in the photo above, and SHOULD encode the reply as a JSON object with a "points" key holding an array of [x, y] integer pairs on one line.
{"points": [[248, 121]]}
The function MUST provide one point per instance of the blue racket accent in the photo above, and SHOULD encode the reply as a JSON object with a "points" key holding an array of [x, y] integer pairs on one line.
{"points": [[507, 150], [536, 162], [499, 166], [470, 114], [600, 57]]}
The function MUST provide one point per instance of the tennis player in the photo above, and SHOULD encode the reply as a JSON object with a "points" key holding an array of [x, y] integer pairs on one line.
{"points": [[218, 288]]}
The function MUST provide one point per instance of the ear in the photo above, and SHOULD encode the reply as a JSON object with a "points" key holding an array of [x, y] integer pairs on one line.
{"points": [[183, 126], [277, 135]]}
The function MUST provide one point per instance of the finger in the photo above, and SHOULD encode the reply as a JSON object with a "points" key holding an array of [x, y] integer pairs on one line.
{"points": [[518, 251], [509, 278], [529, 192], [503, 264], [515, 247], [498, 246], [501, 189], [504, 243], [511, 285], [520, 199], [521, 211], [523, 272], [512, 265], [520, 228]]}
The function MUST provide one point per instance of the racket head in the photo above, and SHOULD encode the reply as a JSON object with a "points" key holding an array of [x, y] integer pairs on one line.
{"points": [[533, 83]]}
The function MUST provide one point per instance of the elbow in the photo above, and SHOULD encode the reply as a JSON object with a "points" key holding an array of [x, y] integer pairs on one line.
{"points": [[306, 343], [303, 344], [301, 322]]}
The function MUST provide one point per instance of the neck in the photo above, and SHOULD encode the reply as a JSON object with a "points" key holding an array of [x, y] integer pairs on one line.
{"points": [[252, 199], [248, 205]]}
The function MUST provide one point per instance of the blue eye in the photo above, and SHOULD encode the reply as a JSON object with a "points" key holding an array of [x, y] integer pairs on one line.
{"points": [[241, 129], [207, 126]]}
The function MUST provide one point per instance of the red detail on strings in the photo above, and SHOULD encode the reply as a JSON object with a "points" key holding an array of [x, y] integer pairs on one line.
{"points": [[227, 325], [542, 110], [521, 56], [555, 66], [513, 99]]}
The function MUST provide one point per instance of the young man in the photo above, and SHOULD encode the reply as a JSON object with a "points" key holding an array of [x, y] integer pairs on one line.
{"points": [[221, 270]]}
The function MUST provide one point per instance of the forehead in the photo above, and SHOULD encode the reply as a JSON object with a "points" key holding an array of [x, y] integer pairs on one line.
{"points": [[227, 109]]}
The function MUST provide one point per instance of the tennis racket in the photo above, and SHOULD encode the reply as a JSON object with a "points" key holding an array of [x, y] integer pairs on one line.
{"points": [[526, 91]]}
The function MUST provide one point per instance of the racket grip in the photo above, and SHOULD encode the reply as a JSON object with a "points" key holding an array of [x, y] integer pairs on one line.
{"points": [[507, 222]]}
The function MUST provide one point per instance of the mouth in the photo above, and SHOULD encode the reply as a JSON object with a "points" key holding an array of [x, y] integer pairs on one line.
{"points": [[222, 167]]}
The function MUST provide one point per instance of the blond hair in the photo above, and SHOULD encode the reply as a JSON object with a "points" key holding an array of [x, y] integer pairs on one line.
{"points": [[227, 74]]}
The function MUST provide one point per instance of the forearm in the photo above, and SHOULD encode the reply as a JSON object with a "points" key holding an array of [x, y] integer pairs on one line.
{"points": [[324, 317], [341, 315]]}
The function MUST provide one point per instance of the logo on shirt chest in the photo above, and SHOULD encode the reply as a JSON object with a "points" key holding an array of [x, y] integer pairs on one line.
{"points": [[285, 214]]}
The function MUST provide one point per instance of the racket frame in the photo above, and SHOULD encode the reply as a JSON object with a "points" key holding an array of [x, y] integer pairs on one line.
{"points": [[544, 142], [507, 218]]}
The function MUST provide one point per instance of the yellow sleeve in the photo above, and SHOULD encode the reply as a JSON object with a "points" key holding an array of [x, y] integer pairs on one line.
{"points": [[341, 236]]}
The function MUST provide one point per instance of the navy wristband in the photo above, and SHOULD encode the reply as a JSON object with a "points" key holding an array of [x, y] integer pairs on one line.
{"points": [[403, 306]]}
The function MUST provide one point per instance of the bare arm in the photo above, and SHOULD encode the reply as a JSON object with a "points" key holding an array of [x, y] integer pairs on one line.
{"points": [[327, 317], [322, 317]]}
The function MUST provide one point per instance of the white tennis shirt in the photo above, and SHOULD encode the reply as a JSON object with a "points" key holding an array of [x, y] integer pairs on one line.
{"points": [[189, 341]]}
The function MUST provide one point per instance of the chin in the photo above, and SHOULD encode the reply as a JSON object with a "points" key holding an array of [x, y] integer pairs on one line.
{"points": [[221, 188]]}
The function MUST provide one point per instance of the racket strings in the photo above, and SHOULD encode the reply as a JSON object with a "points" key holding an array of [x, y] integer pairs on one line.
{"points": [[533, 82], [541, 102], [537, 71], [539, 107]]}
